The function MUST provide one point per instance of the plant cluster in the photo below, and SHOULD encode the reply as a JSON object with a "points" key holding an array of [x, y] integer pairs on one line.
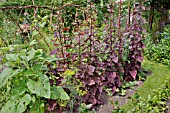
{"points": [[159, 52], [156, 101], [24, 83], [103, 56]]}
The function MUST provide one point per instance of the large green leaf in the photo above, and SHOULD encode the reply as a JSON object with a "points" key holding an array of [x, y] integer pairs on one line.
{"points": [[7, 74], [37, 107], [37, 67], [51, 59], [57, 92], [28, 73], [41, 86], [9, 107], [20, 88], [12, 57], [31, 54], [16, 104], [33, 42], [22, 105]]}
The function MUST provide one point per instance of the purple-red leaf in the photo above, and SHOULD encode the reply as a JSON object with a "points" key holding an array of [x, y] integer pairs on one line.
{"points": [[115, 59], [93, 90], [54, 52], [133, 73], [92, 100], [91, 68], [113, 89], [89, 82], [100, 89], [140, 59], [52, 104], [111, 77]]}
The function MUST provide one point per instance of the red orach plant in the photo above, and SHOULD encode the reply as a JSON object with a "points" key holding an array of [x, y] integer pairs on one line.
{"points": [[101, 60]]}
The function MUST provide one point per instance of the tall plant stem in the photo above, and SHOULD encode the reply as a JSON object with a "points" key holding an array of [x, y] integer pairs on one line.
{"points": [[61, 43], [91, 27], [35, 10], [110, 27], [119, 17], [79, 38], [129, 12], [79, 50], [119, 30]]}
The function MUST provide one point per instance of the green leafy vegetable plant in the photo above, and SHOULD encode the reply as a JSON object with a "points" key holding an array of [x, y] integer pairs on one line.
{"points": [[25, 80]]}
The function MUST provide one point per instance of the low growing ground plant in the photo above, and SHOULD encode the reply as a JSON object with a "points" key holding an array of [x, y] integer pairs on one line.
{"points": [[155, 103]]}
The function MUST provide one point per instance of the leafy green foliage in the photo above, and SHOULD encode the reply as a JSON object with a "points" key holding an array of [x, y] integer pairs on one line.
{"points": [[103, 53], [5, 75], [156, 101], [16, 104], [85, 108], [118, 109], [25, 74], [42, 86], [125, 86], [59, 93], [159, 52]]}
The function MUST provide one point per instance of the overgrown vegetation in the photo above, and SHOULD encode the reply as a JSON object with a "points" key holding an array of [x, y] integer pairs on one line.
{"points": [[156, 101], [60, 56], [160, 51], [24, 82]]}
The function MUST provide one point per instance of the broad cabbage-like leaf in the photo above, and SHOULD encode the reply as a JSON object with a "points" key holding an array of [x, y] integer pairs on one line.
{"points": [[57, 92], [7, 74], [16, 104], [19, 89], [12, 57], [22, 105], [41, 86]]}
